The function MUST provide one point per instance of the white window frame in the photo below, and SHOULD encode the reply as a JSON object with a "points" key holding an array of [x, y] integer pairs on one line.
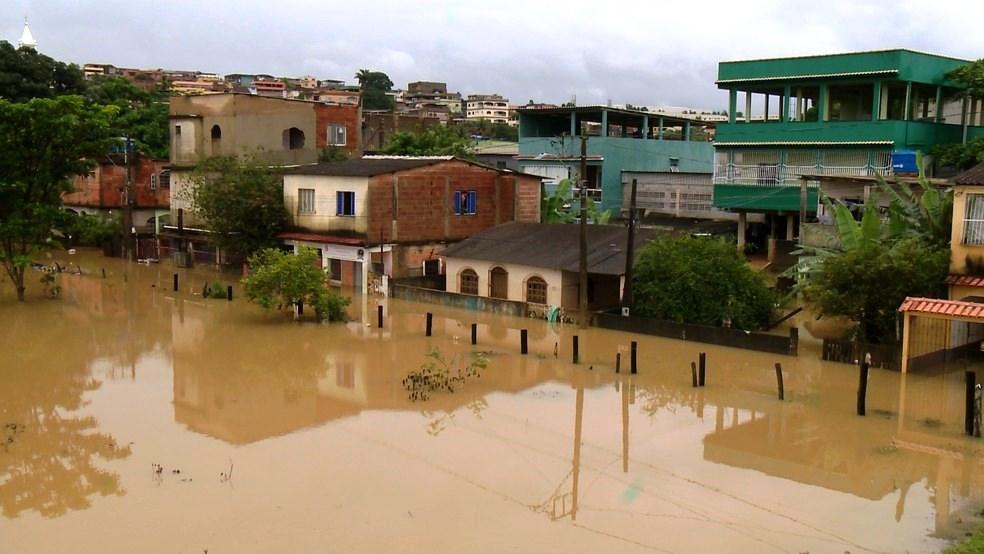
{"points": [[306, 207], [973, 224], [335, 132]]}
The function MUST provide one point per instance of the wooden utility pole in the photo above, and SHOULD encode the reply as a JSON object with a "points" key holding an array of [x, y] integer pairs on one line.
{"points": [[128, 238], [583, 282], [630, 251]]}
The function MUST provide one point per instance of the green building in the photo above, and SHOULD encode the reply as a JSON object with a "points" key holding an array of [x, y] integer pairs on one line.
{"points": [[619, 140], [832, 115]]}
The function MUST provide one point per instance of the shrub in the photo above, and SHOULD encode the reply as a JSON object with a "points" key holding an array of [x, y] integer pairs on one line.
{"points": [[281, 280]]}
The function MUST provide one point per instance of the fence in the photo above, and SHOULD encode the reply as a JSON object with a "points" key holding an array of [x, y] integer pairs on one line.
{"points": [[723, 336], [467, 301], [887, 356]]}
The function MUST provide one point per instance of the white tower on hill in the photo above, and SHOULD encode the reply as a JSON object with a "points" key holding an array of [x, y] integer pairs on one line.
{"points": [[27, 39]]}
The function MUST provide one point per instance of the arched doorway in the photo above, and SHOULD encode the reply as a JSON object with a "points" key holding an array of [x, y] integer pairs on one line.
{"points": [[499, 283]]}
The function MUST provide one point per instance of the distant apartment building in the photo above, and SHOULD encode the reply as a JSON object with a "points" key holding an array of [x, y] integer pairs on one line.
{"points": [[619, 141], [490, 107], [430, 96], [269, 87], [276, 131], [826, 116]]}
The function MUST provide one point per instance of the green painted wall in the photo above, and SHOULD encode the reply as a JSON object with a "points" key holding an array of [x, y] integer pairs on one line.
{"points": [[911, 66], [906, 135], [623, 154], [761, 198]]}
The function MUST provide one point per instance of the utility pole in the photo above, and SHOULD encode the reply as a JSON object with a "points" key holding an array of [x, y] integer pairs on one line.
{"points": [[583, 286], [629, 253], [128, 243]]}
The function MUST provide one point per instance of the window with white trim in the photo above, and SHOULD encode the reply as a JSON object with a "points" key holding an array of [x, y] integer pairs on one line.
{"points": [[305, 201], [345, 203], [337, 135], [465, 202], [973, 228]]}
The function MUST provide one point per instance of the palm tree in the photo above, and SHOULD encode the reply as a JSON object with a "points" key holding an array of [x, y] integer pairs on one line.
{"points": [[362, 76]]}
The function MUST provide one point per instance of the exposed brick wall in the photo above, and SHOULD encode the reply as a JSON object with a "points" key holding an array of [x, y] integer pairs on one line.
{"points": [[350, 116], [103, 188], [425, 202]]}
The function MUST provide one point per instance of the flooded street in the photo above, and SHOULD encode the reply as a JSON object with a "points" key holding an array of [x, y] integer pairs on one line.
{"points": [[299, 437]]}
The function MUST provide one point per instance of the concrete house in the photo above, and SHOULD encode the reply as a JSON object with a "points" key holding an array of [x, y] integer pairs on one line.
{"points": [[393, 216], [538, 263], [276, 131]]}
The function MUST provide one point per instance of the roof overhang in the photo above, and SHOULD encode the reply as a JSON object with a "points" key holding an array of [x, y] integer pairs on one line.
{"points": [[806, 143], [957, 310], [808, 76]]}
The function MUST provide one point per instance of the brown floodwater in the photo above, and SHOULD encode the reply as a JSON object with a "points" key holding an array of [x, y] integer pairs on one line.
{"points": [[136, 419]]}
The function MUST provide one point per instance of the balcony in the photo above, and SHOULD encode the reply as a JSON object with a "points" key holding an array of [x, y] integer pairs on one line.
{"points": [[891, 133]]}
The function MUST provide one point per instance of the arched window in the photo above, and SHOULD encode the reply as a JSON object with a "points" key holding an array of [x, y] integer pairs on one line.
{"points": [[216, 132], [468, 282], [536, 290], [293, 139]]}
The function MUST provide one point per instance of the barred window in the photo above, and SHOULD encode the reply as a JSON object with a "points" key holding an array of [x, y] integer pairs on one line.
{"points": [[973, 232], [468, 282], [305, 201], [536, 290]]}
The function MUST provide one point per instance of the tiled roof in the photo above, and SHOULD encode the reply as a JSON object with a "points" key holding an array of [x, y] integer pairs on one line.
{"points": [[939, 307], [973, 176], [325, 239], [965, 281]]}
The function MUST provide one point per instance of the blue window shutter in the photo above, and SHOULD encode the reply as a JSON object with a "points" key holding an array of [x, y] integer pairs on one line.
{"points": [[351, 206], [457, 202], [339, 203], [472, 202]]}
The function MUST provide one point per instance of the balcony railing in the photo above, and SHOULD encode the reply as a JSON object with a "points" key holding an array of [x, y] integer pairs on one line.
{"points": [[774, 175]]}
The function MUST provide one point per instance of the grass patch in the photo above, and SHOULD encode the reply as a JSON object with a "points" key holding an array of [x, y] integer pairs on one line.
{"points": [[973, 545]]}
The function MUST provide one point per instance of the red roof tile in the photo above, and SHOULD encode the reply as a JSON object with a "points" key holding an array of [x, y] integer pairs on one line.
{"points": [[326, 239], [965, 281], [937, 306]]}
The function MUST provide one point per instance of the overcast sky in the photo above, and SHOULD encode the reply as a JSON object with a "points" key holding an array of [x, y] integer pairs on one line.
{"points": [[653, 52]]}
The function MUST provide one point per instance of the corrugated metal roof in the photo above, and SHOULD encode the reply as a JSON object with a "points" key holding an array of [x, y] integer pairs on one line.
{"points": [[807, 76], [943, 308], [564, 110], [965, 281], [973, 176], [550, 246], [837, 54]]}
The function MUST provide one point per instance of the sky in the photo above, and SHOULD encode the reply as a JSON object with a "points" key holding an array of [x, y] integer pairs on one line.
{"points": [[654, 52]]}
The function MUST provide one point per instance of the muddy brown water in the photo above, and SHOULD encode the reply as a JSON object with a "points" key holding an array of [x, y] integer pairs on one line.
{"points": [[327, 453]]}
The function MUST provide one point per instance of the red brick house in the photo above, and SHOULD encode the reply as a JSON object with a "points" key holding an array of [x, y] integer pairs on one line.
{"points": [[102, 190], [396, 214]]}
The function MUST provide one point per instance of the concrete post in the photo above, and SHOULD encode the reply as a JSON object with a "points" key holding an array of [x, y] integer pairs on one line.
{"points": [[574, 132], [790, 221], [732, 104], [604, 123], [645, 127], [784, 108], [876, 101], [661, 128], [741, 231], [908, 101], [748, 106], [686, 131]]}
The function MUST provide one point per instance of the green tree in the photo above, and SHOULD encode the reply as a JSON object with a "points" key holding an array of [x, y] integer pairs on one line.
{"points": [[241, 202], [143, 115], [959, 156], [27, 74], [375, 85], [557, 207], [868, 284], [44, 143], [700, 280], [970, 78], [437, 140], [281, 280]]}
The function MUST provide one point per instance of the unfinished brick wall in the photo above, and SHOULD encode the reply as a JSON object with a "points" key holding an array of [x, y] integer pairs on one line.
{"points": [[103, 188], [350, 116], [423, 199]]}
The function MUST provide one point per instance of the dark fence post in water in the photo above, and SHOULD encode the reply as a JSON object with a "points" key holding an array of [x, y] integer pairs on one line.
{"points": [[863, 384], [782, 392], [693, 373], [229, 293], [175, 282], [104, 272], [522, 341], [701, 368], [430, 320], [205, 290], [574, 355], [794, 335], [379, 316], [300, 308], [474, 336], [633, 368], [618, 362], [971, 382]]}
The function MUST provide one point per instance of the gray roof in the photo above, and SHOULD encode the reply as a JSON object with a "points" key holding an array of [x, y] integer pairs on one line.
{"points": [[364, 167], [550, 246], [973, 176]]}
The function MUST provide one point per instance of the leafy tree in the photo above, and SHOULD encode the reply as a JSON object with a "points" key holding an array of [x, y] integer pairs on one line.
{"points": [[970, 77], [437, 140], [92, 230], [375, 85], [556, 208], [44, 144], [280, 279], [143, 115], [700, 280], [959, 156], [489, 130], [241, 202], [27, 74], [868, 283]]}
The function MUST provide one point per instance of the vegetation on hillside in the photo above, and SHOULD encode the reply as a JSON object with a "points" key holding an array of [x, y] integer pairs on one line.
{"points": [[437, 140]]}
